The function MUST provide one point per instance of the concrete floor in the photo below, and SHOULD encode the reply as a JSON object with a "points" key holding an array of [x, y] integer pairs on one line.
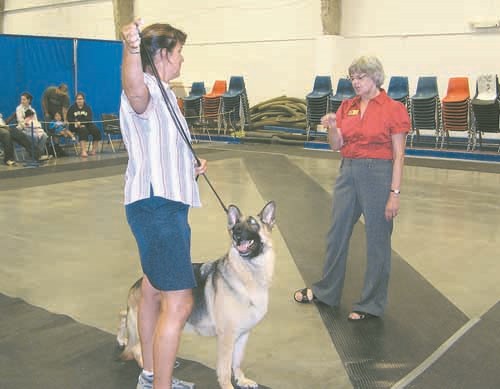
{"points": [[66, 247]]}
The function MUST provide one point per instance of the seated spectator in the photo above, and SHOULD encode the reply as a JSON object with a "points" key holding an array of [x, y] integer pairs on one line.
{"points": [[26, 100], [6, 142], [55, 99], [18, 136], [80, 121], [58, 127], [35, 132]]}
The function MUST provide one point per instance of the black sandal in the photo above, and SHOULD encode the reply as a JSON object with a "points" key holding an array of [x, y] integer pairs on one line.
{"points": [[304, 296], [362, 316]]}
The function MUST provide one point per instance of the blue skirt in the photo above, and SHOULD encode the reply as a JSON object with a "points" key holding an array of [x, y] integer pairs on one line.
{"points": [[163, 236]]}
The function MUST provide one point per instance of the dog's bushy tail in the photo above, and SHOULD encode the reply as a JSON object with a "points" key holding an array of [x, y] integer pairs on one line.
{"points": [[132, 348]]}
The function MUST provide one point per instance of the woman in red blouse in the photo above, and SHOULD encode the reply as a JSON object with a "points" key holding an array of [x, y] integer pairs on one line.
{"points": [[370, 132]]}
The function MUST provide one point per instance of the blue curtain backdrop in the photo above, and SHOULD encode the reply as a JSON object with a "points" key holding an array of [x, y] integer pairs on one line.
{"points": [[32, 64], [98, 75]]}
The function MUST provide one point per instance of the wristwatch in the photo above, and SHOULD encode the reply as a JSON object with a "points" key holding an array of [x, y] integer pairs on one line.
{"points": [[396, 191]]}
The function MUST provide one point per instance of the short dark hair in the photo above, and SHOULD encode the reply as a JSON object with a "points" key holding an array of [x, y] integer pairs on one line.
{"points": [[63, 87], [28, 96], [160, 36], [28, 113]]}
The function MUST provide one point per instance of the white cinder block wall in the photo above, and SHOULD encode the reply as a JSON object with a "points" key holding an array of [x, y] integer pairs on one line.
{"points": [[271, 43], [423, 38], [61, 18], [278, 46]]}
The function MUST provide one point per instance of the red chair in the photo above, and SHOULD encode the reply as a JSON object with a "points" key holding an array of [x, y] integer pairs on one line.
{"points": [[456, 109], [212, 105]]}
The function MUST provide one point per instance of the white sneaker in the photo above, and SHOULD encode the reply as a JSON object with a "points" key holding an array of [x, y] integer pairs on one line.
{"points": [[179, 384], [144, 382]]}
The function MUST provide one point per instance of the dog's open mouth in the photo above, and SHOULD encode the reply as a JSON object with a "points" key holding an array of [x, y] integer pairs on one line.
{"points": [[244, 247]]}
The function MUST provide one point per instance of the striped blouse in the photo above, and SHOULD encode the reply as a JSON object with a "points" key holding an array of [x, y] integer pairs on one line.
{"points": [[158, 155]]}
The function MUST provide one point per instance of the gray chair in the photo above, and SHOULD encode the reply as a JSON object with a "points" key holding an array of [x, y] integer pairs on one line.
{"points": [[111, 129]]}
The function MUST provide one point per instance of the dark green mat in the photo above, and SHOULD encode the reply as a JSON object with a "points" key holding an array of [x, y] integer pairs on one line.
{"points": [[472, 362], [376, 353], [43, 350]]}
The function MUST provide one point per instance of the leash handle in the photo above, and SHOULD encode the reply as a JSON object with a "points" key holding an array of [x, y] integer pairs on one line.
{"points": [[176, 119]]}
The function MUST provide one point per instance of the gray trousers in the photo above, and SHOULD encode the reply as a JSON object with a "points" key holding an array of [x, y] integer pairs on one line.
{"points": [[362, 188]]}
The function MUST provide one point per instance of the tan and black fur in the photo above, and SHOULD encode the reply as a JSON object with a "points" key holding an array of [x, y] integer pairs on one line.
{"points": [[231, 296]]}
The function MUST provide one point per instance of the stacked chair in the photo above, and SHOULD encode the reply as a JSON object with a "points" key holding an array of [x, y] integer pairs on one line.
{"points": [[457, 108], [235, 108], [426, 109], [192, 104], [399, 90], [212, 106], [344, 91], [318, 101], [485, 106]]}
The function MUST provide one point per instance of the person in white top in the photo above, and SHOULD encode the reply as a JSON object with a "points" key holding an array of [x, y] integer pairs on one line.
{"points": [[33, 129], [26, 99], [160, 186]]}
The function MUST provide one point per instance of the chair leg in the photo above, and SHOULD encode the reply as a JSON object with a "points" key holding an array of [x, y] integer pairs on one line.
{"points": [[47, 151], [111, 143], [53, 146], [18, 157]]}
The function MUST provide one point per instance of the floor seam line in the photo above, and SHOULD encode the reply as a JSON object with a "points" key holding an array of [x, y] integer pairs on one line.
{"points": [[431, 359]]}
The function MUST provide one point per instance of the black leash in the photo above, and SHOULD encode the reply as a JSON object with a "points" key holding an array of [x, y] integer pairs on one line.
{"points": [[177, 122]]}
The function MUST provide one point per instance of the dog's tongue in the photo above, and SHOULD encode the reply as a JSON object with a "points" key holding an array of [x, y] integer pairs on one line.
{"points": [[243, 246]]}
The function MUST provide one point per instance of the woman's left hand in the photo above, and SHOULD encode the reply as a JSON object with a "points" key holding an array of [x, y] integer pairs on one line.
{"points": [[202, 168], [392, 207]]}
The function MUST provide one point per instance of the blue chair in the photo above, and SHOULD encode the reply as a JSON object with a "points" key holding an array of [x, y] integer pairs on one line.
{"points": [[236, 86], [235, 106], [192, 104], [426, 109], [344, 91], [398, 89], [318, 101], [196, 92], [322, 87], [426, 88]]}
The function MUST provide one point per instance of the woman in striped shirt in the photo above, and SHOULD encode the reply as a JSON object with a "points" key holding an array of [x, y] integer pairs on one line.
{"points": [[160, 186]]}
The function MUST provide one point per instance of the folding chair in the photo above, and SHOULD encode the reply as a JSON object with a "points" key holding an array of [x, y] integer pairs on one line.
{"points": [[111, 128]]}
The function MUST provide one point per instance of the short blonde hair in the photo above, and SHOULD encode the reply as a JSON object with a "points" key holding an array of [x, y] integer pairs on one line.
{"points": [[371, 66]]}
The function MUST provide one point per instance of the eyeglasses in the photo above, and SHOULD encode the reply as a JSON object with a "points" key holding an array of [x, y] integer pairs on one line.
{"points": [[358, 77]]}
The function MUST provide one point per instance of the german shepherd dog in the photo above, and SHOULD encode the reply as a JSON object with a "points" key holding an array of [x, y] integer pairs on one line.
{"points": [[231, 296]]}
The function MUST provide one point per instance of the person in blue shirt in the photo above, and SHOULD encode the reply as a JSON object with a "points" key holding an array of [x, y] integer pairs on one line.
{"points": [[57, 127]]}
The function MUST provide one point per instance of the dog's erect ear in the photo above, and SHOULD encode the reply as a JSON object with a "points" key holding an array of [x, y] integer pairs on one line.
{"points": [[233, 216], [268, 214]]}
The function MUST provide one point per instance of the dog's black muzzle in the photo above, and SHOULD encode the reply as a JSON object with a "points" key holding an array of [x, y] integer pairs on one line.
{"points": [[246, 238]]}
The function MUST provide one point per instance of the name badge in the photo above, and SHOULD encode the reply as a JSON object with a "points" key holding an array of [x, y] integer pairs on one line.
{"points": [[353, 112]]}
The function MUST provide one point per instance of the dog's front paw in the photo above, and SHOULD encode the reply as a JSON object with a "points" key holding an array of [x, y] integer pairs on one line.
{"points": [[121, 336], [245, 383]]}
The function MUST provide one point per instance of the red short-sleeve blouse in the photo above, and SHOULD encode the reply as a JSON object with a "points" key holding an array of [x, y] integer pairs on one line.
{"points": [[370, 136]]}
